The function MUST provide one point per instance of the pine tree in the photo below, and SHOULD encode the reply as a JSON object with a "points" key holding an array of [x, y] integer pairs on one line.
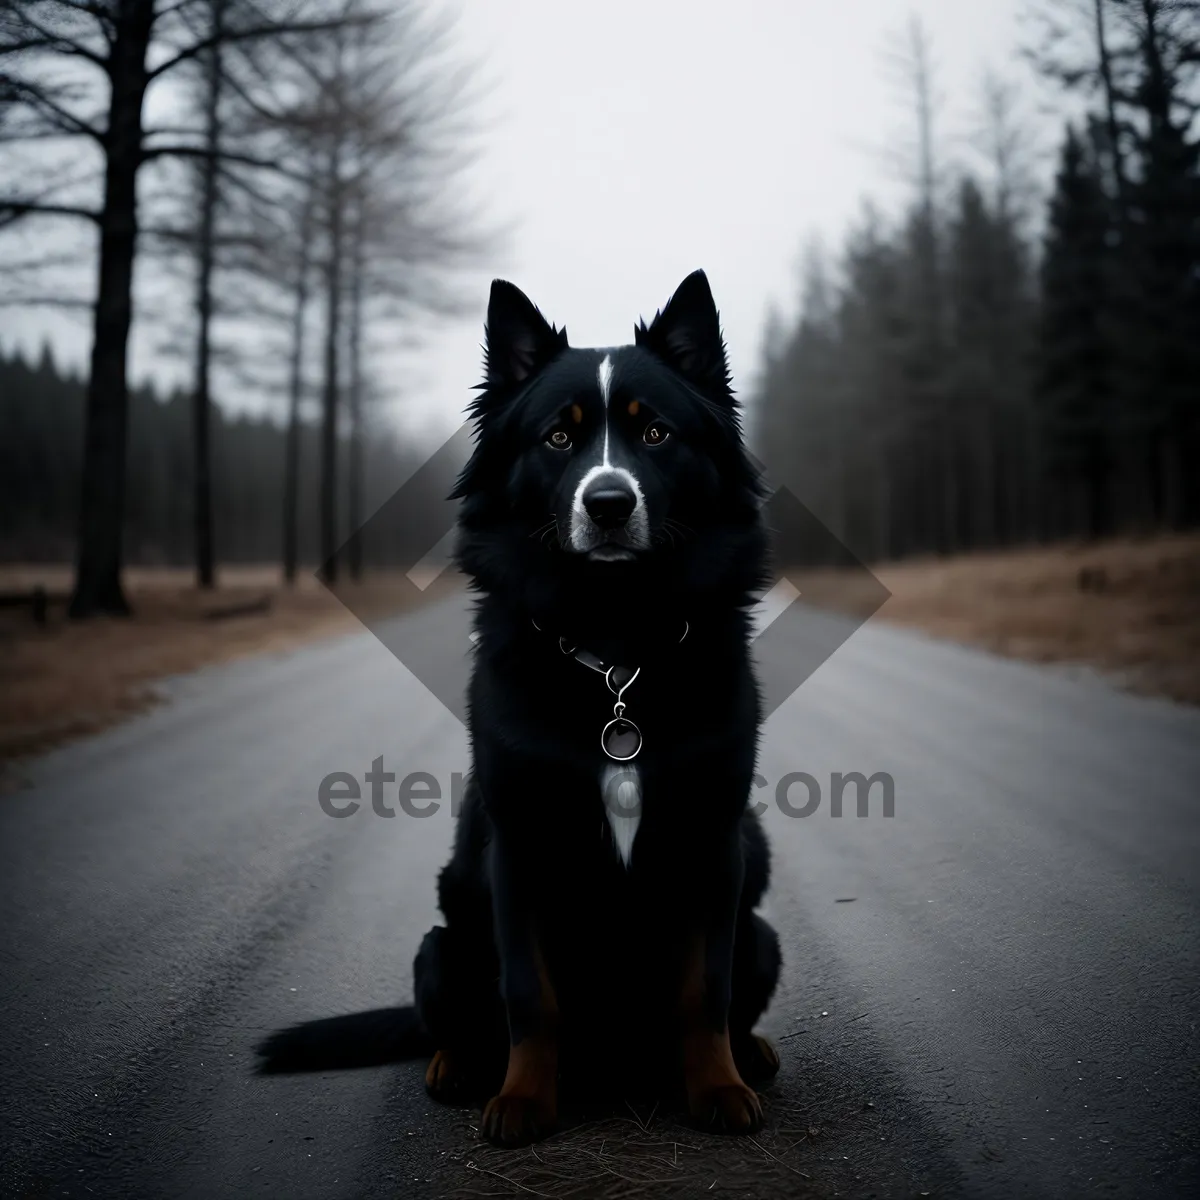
{"points": [[1075, 375], [1163, 261], [974, 295]]}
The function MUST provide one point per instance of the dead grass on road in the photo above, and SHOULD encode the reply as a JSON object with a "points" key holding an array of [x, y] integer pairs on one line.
{"points": [[648, 1153], [69, 678], [1130, 609]]}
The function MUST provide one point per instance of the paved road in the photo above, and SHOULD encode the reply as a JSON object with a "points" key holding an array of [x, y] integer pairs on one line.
{"points": [[1006, 968]]}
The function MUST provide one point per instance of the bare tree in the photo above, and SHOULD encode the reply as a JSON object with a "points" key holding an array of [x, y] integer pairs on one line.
{"points": [[393, 118], [354, 462], [81, 70], [291, 471], [1008, 145], [202, 388], [932, 475], [1071, 44], [335, 248]]}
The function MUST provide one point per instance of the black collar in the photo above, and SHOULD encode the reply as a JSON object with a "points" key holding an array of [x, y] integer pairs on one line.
{"points": [[620, 739]]}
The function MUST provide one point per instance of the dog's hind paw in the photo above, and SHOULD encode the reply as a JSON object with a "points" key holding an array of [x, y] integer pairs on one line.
{"points": [[445, 1080], [731, 1108], [517, 1120]]}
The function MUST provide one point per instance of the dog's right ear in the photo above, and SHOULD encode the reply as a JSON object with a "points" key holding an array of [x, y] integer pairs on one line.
{"points": [[686, 335], [520, 341]]}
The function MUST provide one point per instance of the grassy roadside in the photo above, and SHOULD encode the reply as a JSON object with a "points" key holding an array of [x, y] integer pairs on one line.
{"points": [[1130, 609], [1127, 608], [62, 680]]}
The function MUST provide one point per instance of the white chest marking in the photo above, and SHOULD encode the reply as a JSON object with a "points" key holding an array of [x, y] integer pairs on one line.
{"points": [[621, 792]]}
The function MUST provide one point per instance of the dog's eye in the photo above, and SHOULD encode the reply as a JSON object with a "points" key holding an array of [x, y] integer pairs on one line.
{"points": [[655, 434], [560, 439]]}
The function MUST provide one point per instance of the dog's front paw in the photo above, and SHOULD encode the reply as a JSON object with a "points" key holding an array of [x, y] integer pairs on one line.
{"points": [[728, 1108], [757, 1060], [518, 1120]]}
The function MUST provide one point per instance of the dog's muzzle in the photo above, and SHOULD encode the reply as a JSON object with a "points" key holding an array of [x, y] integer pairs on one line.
{"points": [[608, 516]]}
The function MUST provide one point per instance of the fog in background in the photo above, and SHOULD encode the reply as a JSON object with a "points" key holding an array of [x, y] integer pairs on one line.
{"points": [[626, 144], [955, 246]]}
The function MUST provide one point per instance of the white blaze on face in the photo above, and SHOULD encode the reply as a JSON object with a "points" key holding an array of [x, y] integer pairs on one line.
{"points": [[584, 534], [604, 376]]}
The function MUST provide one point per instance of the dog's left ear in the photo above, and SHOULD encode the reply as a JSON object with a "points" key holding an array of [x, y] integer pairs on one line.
{"points": [[686, 335], [520, 341]]}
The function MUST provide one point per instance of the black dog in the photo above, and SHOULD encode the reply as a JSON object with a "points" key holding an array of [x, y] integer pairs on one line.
{"points": [[599, 903]]}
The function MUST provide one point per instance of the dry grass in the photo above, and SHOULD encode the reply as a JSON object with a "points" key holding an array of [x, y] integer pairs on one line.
{"points": [[635, 1157], [648, 1154], [65, 679], [1127, 608]]}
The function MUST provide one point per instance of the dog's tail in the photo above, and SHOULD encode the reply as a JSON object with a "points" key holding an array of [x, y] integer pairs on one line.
{"points": [[366, 1039]]}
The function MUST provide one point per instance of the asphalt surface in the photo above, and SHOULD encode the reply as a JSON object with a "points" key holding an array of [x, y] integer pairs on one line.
{"points": [[1005, 969]]}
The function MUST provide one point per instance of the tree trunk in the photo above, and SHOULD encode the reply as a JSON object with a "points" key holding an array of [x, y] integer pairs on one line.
{"points": [[1155, 486], [1001, 477], [1099, 511], [291, 465], [1110, 115], [355, 464], [98, 555], [936, 486], [201, 400], [333, 300]]}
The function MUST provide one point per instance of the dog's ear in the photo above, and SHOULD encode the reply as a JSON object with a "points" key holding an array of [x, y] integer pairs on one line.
{"points": [[520, 342], [686, 335]]}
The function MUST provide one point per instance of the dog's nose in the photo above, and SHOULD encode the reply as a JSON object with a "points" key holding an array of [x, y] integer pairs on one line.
{"points": [[609, 503]]}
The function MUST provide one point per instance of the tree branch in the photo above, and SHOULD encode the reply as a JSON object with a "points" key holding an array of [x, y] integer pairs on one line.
{"points": [[12, 211], [44, 302], [97, 11], [58, 42], [172, 9], [224, 156], [36, 98], [250, 33]]}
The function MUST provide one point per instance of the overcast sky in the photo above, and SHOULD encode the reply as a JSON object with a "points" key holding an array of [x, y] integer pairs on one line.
{"points": [[632, 142]]}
